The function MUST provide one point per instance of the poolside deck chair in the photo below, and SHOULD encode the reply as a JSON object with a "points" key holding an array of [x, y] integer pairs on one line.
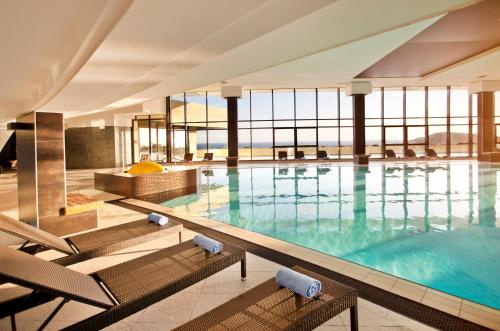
{"points": [[208, 157], [431, 154], [121, 290], [300, 155], [322, 155], [410, 154], [271, 307], [90, 244], [282, 155], [188, 157], [389, 153]]}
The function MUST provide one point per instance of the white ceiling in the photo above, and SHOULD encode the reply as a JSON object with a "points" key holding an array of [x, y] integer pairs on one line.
{"points": [[45, 43], [161, 47]]}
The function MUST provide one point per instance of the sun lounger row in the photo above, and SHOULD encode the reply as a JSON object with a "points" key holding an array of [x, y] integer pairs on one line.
{"points": [[129, 287], [410, 154]]}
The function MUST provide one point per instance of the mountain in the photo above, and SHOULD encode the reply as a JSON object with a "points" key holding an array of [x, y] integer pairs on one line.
{"points": [[456, 138]]}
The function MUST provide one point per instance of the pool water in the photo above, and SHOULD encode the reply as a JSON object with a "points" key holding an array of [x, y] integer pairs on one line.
{"points": [[433, 224]]}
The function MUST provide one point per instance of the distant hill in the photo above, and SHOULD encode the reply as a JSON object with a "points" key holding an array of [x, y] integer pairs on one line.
{"points": [[456, 138]]}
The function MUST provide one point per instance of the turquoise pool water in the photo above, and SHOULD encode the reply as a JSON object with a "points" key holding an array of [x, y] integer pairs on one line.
{"points": [[433, 224]]}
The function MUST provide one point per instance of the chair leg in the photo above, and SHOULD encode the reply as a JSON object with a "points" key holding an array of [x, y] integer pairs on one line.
{"points": [[354, 318], [244, 269], [180, 237], [13, 322]]}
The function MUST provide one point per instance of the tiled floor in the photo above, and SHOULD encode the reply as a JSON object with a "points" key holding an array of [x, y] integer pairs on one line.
{"points": [[186, 304]]}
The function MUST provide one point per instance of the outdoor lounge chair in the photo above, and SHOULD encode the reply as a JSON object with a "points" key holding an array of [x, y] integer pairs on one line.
{"points": [[431, 153], [90, 244], [208, 157], [121, 290], [282, 155], [271, 307], [410, 154], [322, 155], [300, 155], [188, 157], [389, 153]]}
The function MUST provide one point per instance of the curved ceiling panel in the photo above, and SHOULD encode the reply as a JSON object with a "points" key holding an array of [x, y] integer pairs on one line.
{"points": [[45, 43]]}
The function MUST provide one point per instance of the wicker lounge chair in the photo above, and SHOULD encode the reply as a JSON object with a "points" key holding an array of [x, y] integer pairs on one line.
{"points": [[90, 244], [208, 157], [121, 290], [188, 157], [282, 155], [431, 154], [322, 155], [389, 153], [300, 155], [271, 307], [410, 154]]}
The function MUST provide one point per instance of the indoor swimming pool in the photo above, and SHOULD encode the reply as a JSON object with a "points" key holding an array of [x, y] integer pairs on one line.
{"points": [[431, 223]]}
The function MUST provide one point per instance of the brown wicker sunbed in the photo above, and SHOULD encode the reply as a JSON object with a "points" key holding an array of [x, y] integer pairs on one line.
{"points": [[271, 307], [90, 244], [121, 290]]}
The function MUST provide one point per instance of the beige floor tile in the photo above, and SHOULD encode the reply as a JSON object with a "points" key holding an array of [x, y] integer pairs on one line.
{"points": [[480, 314], [334, 264], [380, 280], [356, 271], [174, 309], [209, 301], [231, 283], [442, 301], [409, 290]]}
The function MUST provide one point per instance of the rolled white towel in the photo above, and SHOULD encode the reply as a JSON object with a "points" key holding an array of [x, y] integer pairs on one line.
{"points": [[158, 219], [213, 246], [299, 283]]}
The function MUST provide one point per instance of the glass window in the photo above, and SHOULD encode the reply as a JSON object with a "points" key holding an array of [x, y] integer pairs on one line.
{"points": [[244, 107], [196, 109], [328, 141], [262, 144], [284, 137], [198, 143], [373, 141], [262, 105], [217, 107], [394, 135], [373, 104], [283, 104], [459, 140], [306, 137], [459, 101], [179, 142], [328, 103], [437, 138], [437, 101], [217, 143], [346, 142], [305, 104], [177, 108], [393, 104], [244, 144], [415, 102], [345, 105]]}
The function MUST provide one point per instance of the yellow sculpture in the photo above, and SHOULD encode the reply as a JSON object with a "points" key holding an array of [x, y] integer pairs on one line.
{"points": [[145, 168]]}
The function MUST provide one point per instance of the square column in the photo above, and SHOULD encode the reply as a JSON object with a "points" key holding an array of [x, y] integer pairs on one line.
{"points": [[232, 93], [358, 90]]}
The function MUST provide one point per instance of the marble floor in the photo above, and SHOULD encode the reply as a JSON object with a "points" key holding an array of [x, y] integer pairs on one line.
{"points": [[181, 307]]}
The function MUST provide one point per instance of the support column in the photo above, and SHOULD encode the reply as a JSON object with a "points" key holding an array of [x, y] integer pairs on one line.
{"points": [[486, 139], [358, 90], [232, 93], [41, 175], [485, 123]]}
